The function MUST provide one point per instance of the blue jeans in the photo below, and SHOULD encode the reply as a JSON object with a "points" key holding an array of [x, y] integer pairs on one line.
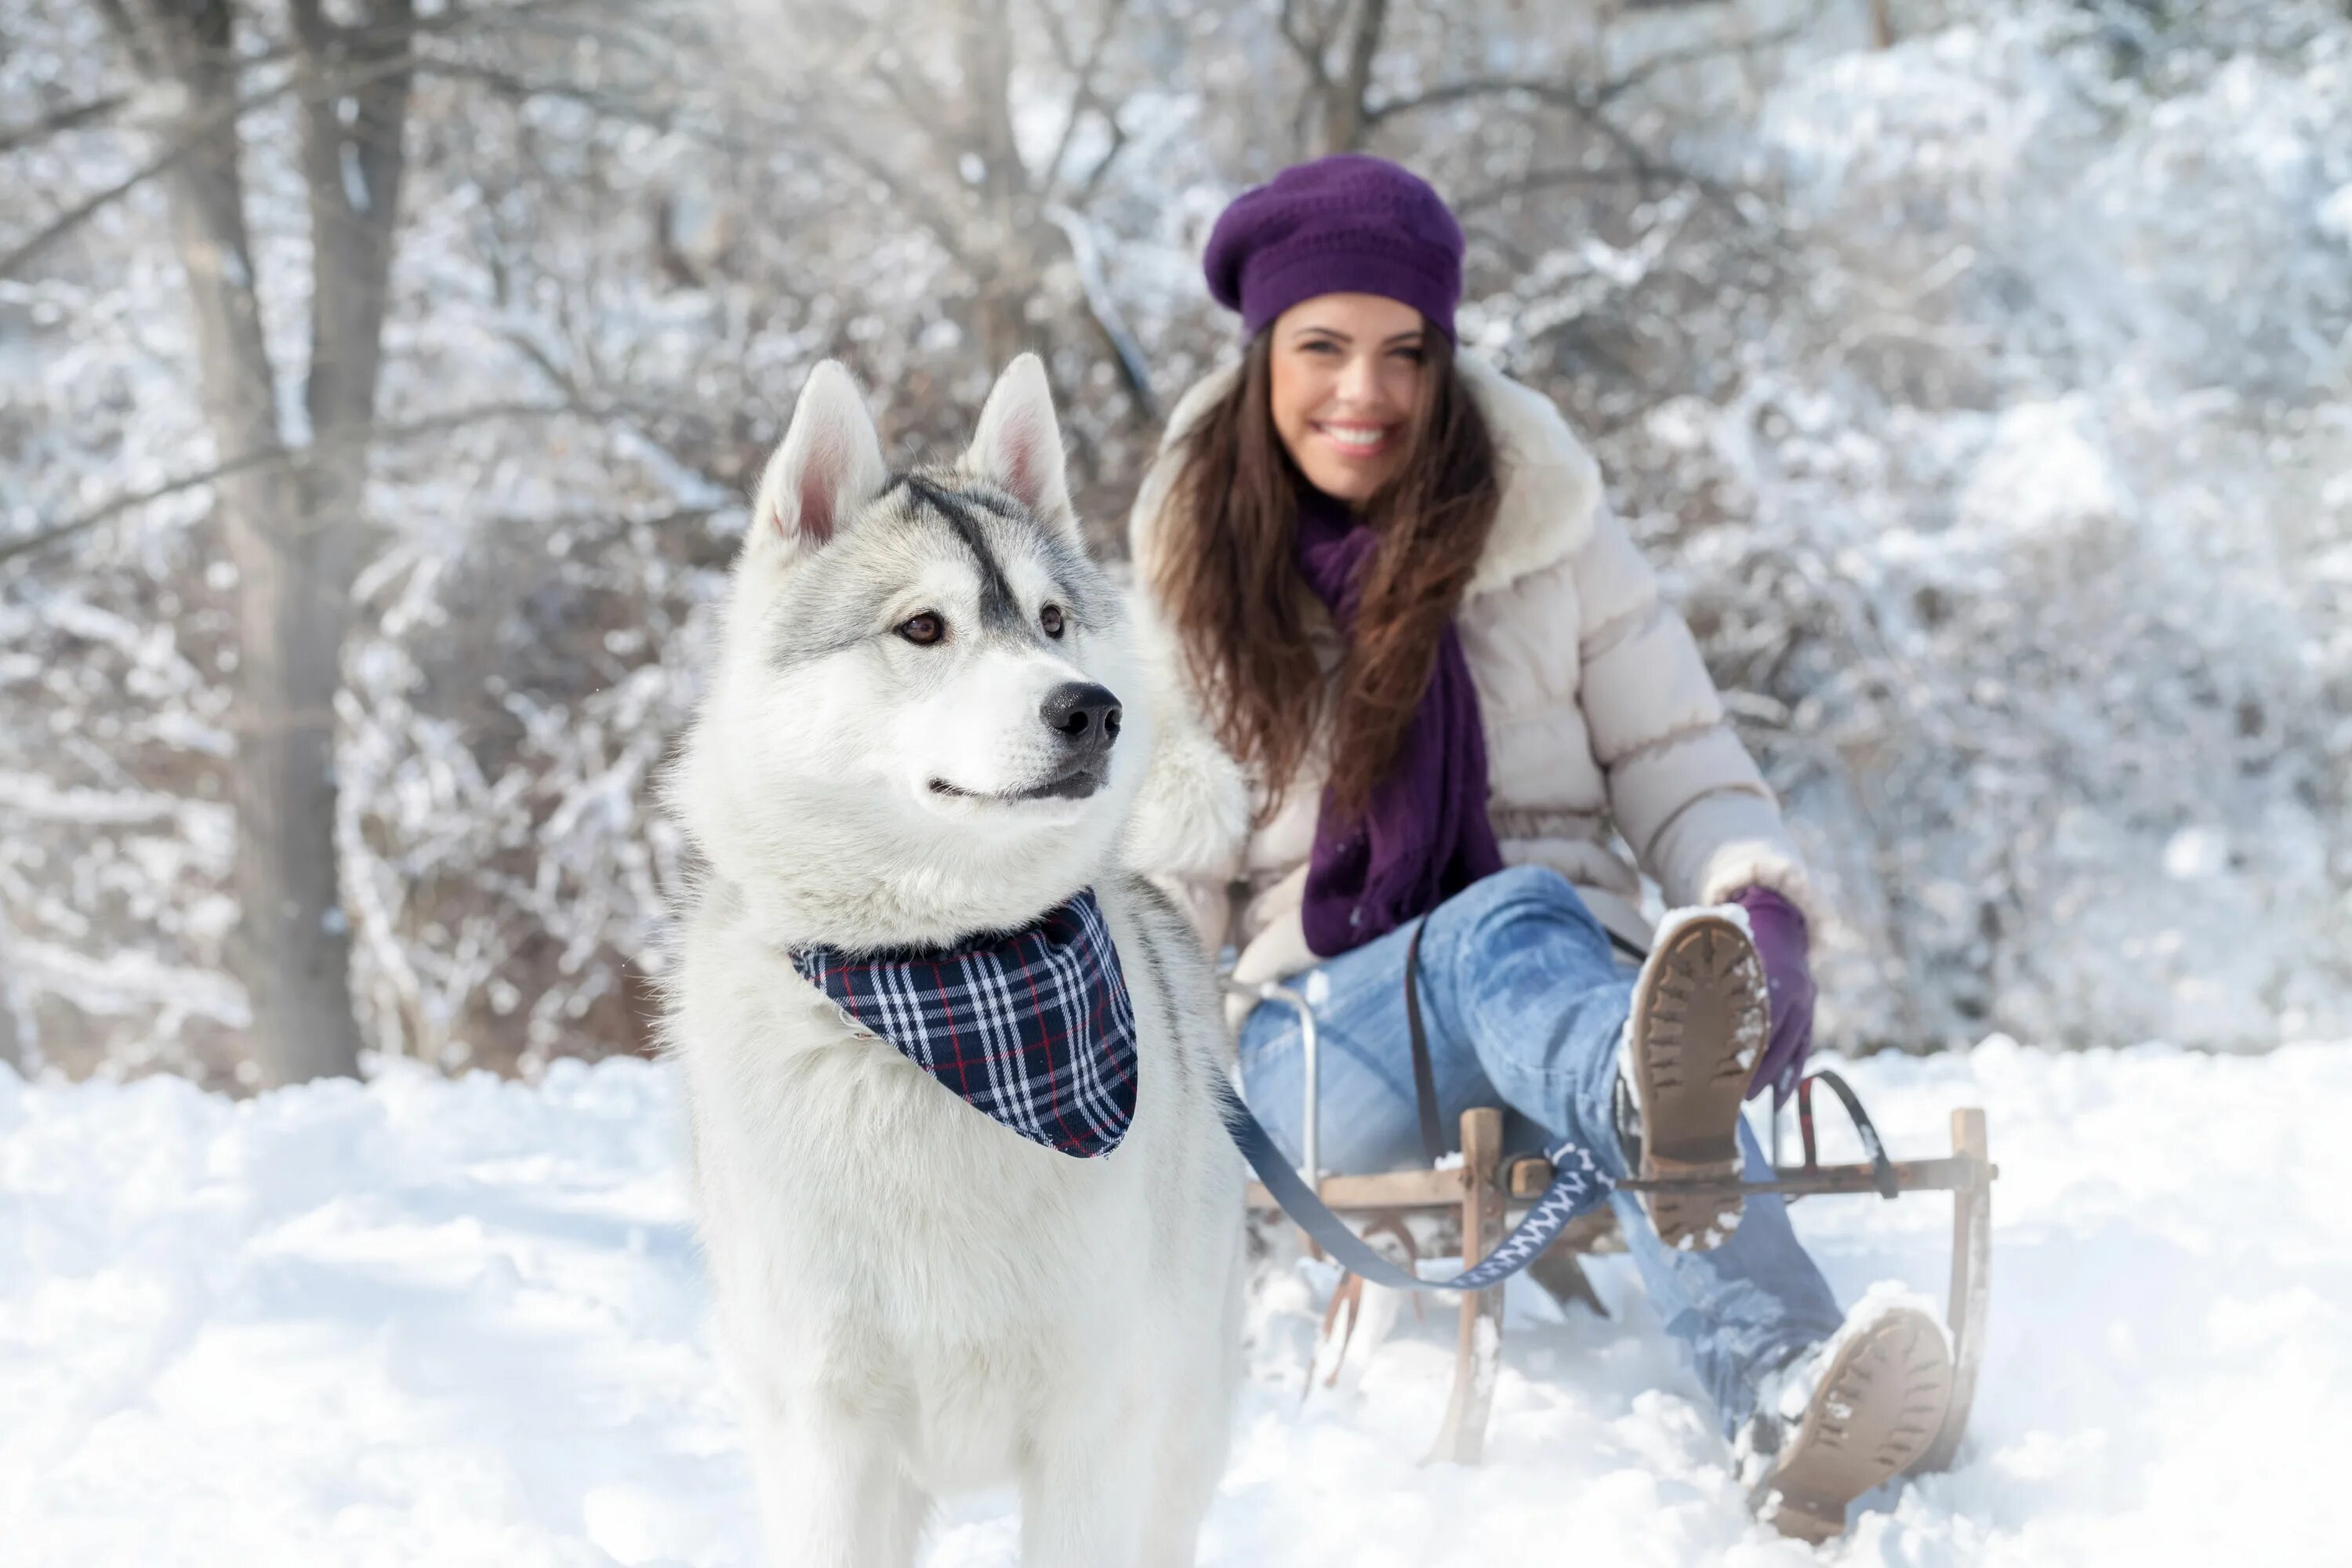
{"points": [[1525, 1002]]}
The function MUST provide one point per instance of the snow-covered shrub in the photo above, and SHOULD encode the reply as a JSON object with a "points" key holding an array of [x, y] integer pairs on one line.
{"points": [[2034, 530]]}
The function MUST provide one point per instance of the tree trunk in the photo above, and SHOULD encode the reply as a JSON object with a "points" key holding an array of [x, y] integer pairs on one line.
{"points": [[11, 1048], [293, 530], [354, 160], [289, 946], [1004, 238], [1346, 101]]}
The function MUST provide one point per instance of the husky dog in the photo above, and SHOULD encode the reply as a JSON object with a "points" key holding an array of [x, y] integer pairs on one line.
{"points": [[913, 733]]}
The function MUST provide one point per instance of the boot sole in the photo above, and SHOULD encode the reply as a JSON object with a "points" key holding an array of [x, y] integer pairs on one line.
{"points": [[1699, 1025], [1879, 1405]]}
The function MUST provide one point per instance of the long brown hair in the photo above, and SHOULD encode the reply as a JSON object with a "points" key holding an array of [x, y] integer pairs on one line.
{"points": [[1245, 618]]}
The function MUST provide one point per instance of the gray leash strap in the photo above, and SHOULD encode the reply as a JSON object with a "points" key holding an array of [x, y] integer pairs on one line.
{"points": [[1578, 1187]]}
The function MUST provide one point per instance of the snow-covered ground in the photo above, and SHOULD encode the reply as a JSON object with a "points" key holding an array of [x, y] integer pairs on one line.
{"points": [[423, 1322]]}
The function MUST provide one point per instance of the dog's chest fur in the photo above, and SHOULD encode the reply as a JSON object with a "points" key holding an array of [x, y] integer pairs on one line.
{"points": [[877, 1240]]}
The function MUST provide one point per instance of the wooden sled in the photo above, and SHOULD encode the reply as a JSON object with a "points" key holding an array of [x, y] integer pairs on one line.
{"points": [[1487, 1184]]}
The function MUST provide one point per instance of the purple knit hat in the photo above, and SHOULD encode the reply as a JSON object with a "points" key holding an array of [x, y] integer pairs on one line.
{"points": [[1348, 223]]}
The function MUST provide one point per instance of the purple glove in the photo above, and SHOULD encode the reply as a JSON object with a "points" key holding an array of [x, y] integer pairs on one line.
{"points": [[1778, 929]]}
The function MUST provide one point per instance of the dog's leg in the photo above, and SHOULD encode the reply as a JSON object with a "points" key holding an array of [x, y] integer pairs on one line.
{"points": [[832, 1494], [1084, 1491], [1191, 1404], [1189, 1462]]}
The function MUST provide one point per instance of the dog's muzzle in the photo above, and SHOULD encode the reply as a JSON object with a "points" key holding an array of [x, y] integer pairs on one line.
{"points": [[1087, 717]]}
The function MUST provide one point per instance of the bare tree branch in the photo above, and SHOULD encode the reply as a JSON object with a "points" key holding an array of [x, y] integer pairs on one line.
{"points": [[245, 462], [1308, 50], [508, 84], [917, 205], [40, 538], [1586, 106], [1535, 180], [132, 37], [919, 104], [56, 123], [1089, 187], [1653, 168], [1702, 54], [191, 135], [1057, 34], [1083, 96], [931, 191], [189, 140], [1127, 353], [1554, 90], [1547, 89]]}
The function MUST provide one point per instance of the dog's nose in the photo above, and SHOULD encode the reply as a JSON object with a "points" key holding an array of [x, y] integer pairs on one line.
{"points": [[1086, 714]]}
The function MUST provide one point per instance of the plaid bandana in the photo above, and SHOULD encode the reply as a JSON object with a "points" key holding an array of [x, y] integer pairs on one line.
{"points": [[1035, 1028]]}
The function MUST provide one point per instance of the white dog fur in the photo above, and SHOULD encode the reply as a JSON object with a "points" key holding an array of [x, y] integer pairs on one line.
{"points": [[914, 1299]]}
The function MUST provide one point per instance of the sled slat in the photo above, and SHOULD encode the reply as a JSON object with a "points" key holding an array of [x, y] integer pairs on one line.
{"points": [[1530, 1175], [1972, 1286], [1462, 1440], [1958, 1172], [1387, 1190]]}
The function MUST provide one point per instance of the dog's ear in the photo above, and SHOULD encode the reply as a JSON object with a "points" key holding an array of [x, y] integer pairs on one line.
{"points": [[1018, 446], [828, 464]]}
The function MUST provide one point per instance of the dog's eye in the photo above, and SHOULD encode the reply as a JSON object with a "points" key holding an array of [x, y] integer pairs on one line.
{"points": [[923, 630], [1050, 618]]}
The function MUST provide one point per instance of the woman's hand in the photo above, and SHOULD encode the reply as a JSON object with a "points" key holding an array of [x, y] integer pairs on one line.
{"points": [[1778, 929]]}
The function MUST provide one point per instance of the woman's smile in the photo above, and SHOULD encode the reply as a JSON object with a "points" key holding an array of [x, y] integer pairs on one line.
{"points": [[1357, 441]]}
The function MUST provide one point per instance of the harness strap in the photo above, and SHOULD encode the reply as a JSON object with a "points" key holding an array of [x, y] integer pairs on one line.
{"points": [[1578, 1186], [1881, 1169], [1424, 1075]]}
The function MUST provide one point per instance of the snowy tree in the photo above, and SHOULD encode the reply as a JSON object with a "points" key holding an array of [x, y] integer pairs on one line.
{"points": [[290, 447]]}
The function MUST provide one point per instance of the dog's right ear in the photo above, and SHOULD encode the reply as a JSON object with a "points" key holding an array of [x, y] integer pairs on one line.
{"points": [[828, 464]]}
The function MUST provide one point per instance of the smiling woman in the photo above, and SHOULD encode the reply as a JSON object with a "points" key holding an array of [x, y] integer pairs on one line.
{"points": [[1452, 682]]}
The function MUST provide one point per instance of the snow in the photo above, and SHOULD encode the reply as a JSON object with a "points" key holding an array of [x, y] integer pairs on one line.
{"points": [[458, 1322]]}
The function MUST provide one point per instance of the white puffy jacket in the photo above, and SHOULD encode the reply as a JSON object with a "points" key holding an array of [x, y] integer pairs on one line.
{"points": [[1599, 712]]}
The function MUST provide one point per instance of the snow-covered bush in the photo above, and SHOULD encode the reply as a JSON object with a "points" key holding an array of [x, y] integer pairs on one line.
{"points": [[2038, 542]]}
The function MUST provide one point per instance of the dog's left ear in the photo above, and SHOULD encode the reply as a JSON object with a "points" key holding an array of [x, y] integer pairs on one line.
{"points": [[1018, 446], [827, 466]]}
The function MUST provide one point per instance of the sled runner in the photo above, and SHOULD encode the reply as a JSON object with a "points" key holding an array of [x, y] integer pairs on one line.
{"points": [[1487, 1184]]}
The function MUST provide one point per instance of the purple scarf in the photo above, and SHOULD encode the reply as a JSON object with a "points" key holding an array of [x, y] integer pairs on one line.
{"points": [[1425, 835]]}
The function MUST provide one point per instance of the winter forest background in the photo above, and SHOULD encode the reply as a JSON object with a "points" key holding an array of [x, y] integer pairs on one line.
{"points": [[381, 382]]}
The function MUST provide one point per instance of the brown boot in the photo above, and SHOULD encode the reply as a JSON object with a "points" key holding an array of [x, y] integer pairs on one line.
{"points": [[1701, 1016], [1848, 1417]]}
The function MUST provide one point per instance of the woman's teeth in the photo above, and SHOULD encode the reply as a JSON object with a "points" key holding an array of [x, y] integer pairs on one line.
{"points": [[1356, 440]]}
